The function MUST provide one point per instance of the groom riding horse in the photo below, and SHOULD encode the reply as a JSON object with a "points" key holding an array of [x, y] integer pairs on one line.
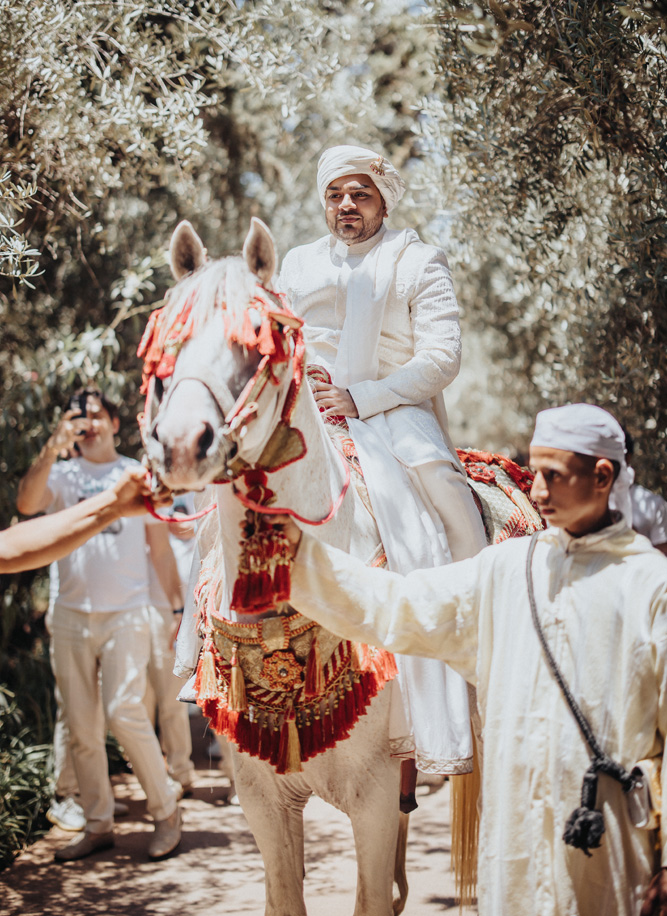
{"points": [[381, 317], [226, 405]]}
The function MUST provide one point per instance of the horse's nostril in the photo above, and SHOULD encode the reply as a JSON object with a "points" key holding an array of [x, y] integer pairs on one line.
{"points": [[205, 441]]}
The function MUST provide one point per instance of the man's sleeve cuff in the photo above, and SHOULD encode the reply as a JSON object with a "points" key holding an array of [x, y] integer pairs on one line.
{"points": [[367, 397]]}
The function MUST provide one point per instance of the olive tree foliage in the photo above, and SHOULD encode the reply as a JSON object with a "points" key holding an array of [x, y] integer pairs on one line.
{"points": [[546, 139], [118, 118]]}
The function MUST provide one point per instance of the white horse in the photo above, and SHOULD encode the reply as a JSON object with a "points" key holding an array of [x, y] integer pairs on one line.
{"points": [[217, 406]]}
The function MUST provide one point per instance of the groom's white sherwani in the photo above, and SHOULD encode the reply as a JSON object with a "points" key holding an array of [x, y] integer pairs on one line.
{"points": [[381, 316]]}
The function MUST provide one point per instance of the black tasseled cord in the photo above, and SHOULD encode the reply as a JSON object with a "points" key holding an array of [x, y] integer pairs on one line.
{"points": [[585, 826]]}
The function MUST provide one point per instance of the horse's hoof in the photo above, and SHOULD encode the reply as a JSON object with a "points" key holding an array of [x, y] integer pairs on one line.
{"points": [[408, 803]]}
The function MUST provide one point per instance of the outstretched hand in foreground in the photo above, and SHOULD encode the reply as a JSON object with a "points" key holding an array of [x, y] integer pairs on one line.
{"points": [[655, 901]]}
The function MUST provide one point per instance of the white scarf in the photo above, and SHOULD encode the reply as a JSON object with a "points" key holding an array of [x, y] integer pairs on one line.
{"points": [[412, 534]]}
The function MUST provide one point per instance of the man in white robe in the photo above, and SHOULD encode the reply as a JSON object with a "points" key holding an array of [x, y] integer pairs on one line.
{"points": [[601, 598], [381, 316]]}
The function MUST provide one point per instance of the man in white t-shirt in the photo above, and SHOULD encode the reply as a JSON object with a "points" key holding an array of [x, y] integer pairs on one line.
{"points": [[101, 640]]}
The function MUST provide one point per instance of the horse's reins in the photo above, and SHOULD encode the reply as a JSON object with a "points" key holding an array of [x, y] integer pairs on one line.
{"points": [[238, 417], [258, 507], [282, 510]]}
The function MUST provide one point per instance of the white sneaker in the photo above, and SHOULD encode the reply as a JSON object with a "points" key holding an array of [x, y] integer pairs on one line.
{"points": [[66, 814]]}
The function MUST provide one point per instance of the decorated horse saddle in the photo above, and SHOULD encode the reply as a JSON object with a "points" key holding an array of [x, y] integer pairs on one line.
{"points": [[282, 688]]}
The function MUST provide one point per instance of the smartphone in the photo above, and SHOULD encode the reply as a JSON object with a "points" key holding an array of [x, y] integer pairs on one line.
{"points": [[78, 402]]}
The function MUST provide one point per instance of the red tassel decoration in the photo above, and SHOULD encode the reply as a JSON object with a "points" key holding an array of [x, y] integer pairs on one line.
{"points": [[275, 745], [359, 695], [350, 706], [263, 579], [327, 728], [282, 579], [265, 740], [241, 592], [306, 733], [253, 739]]}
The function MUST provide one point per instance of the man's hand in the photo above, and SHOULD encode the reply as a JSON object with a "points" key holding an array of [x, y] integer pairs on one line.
{"points": [[290, 529], [130, 490], [655, 901], [64, 437], [335, 402], [184, 530]]}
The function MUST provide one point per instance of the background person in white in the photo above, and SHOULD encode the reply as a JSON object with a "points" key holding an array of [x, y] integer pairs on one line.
{"points": [[601, 597], [100, 628], [649, 510], [381, 316]]}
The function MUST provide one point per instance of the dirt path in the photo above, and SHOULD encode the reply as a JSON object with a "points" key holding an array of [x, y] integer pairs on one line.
{"points": [[218, 869]]}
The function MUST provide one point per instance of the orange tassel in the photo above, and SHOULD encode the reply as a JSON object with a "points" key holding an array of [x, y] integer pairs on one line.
{"points": [[266, 344], [207, 675], [289, 754], [248, 336], [236, 698], [314, 673], [359, 657]]}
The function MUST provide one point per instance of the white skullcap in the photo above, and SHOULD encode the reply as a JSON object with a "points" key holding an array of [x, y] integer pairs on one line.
{"points": [[588, 430], [355, 160]]}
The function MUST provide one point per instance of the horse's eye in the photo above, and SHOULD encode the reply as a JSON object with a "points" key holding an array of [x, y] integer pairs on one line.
{"points": [[158, 390]]}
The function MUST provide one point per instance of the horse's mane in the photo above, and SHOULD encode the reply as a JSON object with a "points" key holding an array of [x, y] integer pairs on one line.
{"points": [[226, 283]]}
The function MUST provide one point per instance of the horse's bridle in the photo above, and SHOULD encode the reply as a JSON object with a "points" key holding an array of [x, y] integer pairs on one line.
{"points": [[245, 410]]}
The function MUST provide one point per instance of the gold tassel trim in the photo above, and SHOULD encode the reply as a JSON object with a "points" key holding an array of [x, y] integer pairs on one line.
{"points": [[314, 684], [208, 681], [236, 698], [289, 754], [465, 831]]}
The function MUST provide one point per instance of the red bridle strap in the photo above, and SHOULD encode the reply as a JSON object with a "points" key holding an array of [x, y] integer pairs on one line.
{"points": [[280, 510], [171, 519], [258, 507]]}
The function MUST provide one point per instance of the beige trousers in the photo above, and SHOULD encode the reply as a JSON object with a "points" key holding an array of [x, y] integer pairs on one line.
{"points": [[162, 688], [104, 656]]}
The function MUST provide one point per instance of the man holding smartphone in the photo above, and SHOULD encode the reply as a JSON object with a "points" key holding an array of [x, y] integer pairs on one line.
{"points": [[101, 639]]}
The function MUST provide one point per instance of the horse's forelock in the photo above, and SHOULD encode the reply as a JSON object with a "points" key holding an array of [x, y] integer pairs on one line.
{"points": [[223, 284]]}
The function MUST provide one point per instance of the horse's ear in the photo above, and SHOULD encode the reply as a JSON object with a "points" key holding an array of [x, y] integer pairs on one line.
{"points": [[186, 250], [259, 251]]}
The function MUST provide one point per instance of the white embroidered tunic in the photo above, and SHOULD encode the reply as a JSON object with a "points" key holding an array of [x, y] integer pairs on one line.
{"points": [[602, 601], [419, 347], [381, 316]]}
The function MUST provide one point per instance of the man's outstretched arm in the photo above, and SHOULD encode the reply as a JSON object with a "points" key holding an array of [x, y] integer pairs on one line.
{"points": [[429, 612], [40, 541]]}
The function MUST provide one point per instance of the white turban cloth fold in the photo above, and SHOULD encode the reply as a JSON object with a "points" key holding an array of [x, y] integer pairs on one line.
{"points": [[588, 430], [356, 160]]}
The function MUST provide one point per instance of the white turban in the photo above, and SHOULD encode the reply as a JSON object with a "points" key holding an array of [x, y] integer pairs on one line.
{"points": [[588, 430], [355, 160]]}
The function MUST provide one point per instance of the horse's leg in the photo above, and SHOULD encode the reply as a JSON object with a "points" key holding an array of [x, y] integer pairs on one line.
{"points": [[273, 806], [374, 820]]}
